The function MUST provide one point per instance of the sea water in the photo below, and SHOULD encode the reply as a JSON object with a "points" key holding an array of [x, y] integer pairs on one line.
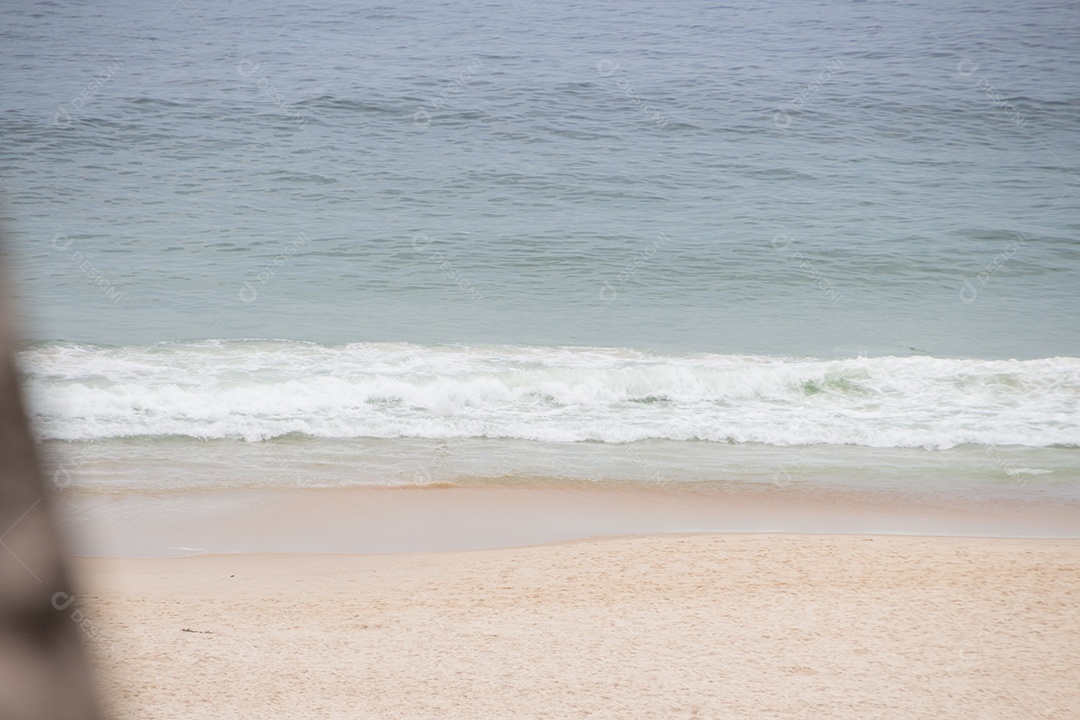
{"points": [[685, 242]]}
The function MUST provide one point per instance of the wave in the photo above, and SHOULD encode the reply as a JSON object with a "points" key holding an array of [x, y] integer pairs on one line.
{"points": [[256, 390]]}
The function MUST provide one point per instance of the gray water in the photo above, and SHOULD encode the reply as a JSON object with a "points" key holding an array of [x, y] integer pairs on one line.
{"points": [[826, 179], [712, 192]]}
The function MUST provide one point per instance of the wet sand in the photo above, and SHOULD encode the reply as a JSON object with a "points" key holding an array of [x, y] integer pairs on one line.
{"points": [[472, 517]]}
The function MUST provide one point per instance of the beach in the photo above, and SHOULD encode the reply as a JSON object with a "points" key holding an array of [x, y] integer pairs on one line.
{"points": [[654, 626], [551, 360]]}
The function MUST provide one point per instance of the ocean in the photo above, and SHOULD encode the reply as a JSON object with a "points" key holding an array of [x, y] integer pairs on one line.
{"points": [[789, 244]]}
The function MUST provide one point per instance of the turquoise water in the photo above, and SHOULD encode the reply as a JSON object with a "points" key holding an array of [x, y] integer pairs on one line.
{"points": [[635, 226]]}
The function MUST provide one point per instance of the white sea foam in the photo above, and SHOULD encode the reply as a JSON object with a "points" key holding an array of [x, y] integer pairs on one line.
{"points": [[262, 389]]}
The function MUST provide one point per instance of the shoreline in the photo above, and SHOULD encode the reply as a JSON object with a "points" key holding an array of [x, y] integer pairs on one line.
{"points": [[377, 520], [647, 626]]}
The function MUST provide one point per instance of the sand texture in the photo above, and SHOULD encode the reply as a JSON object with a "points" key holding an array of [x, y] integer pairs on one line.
{"points": [[678, 626]]}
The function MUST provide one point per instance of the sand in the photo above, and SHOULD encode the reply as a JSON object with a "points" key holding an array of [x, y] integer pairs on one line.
{"points": [[660, 626], [478, 517]]}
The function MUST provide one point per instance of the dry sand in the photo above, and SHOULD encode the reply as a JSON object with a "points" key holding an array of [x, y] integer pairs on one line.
{"points": [[678, 626]]}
